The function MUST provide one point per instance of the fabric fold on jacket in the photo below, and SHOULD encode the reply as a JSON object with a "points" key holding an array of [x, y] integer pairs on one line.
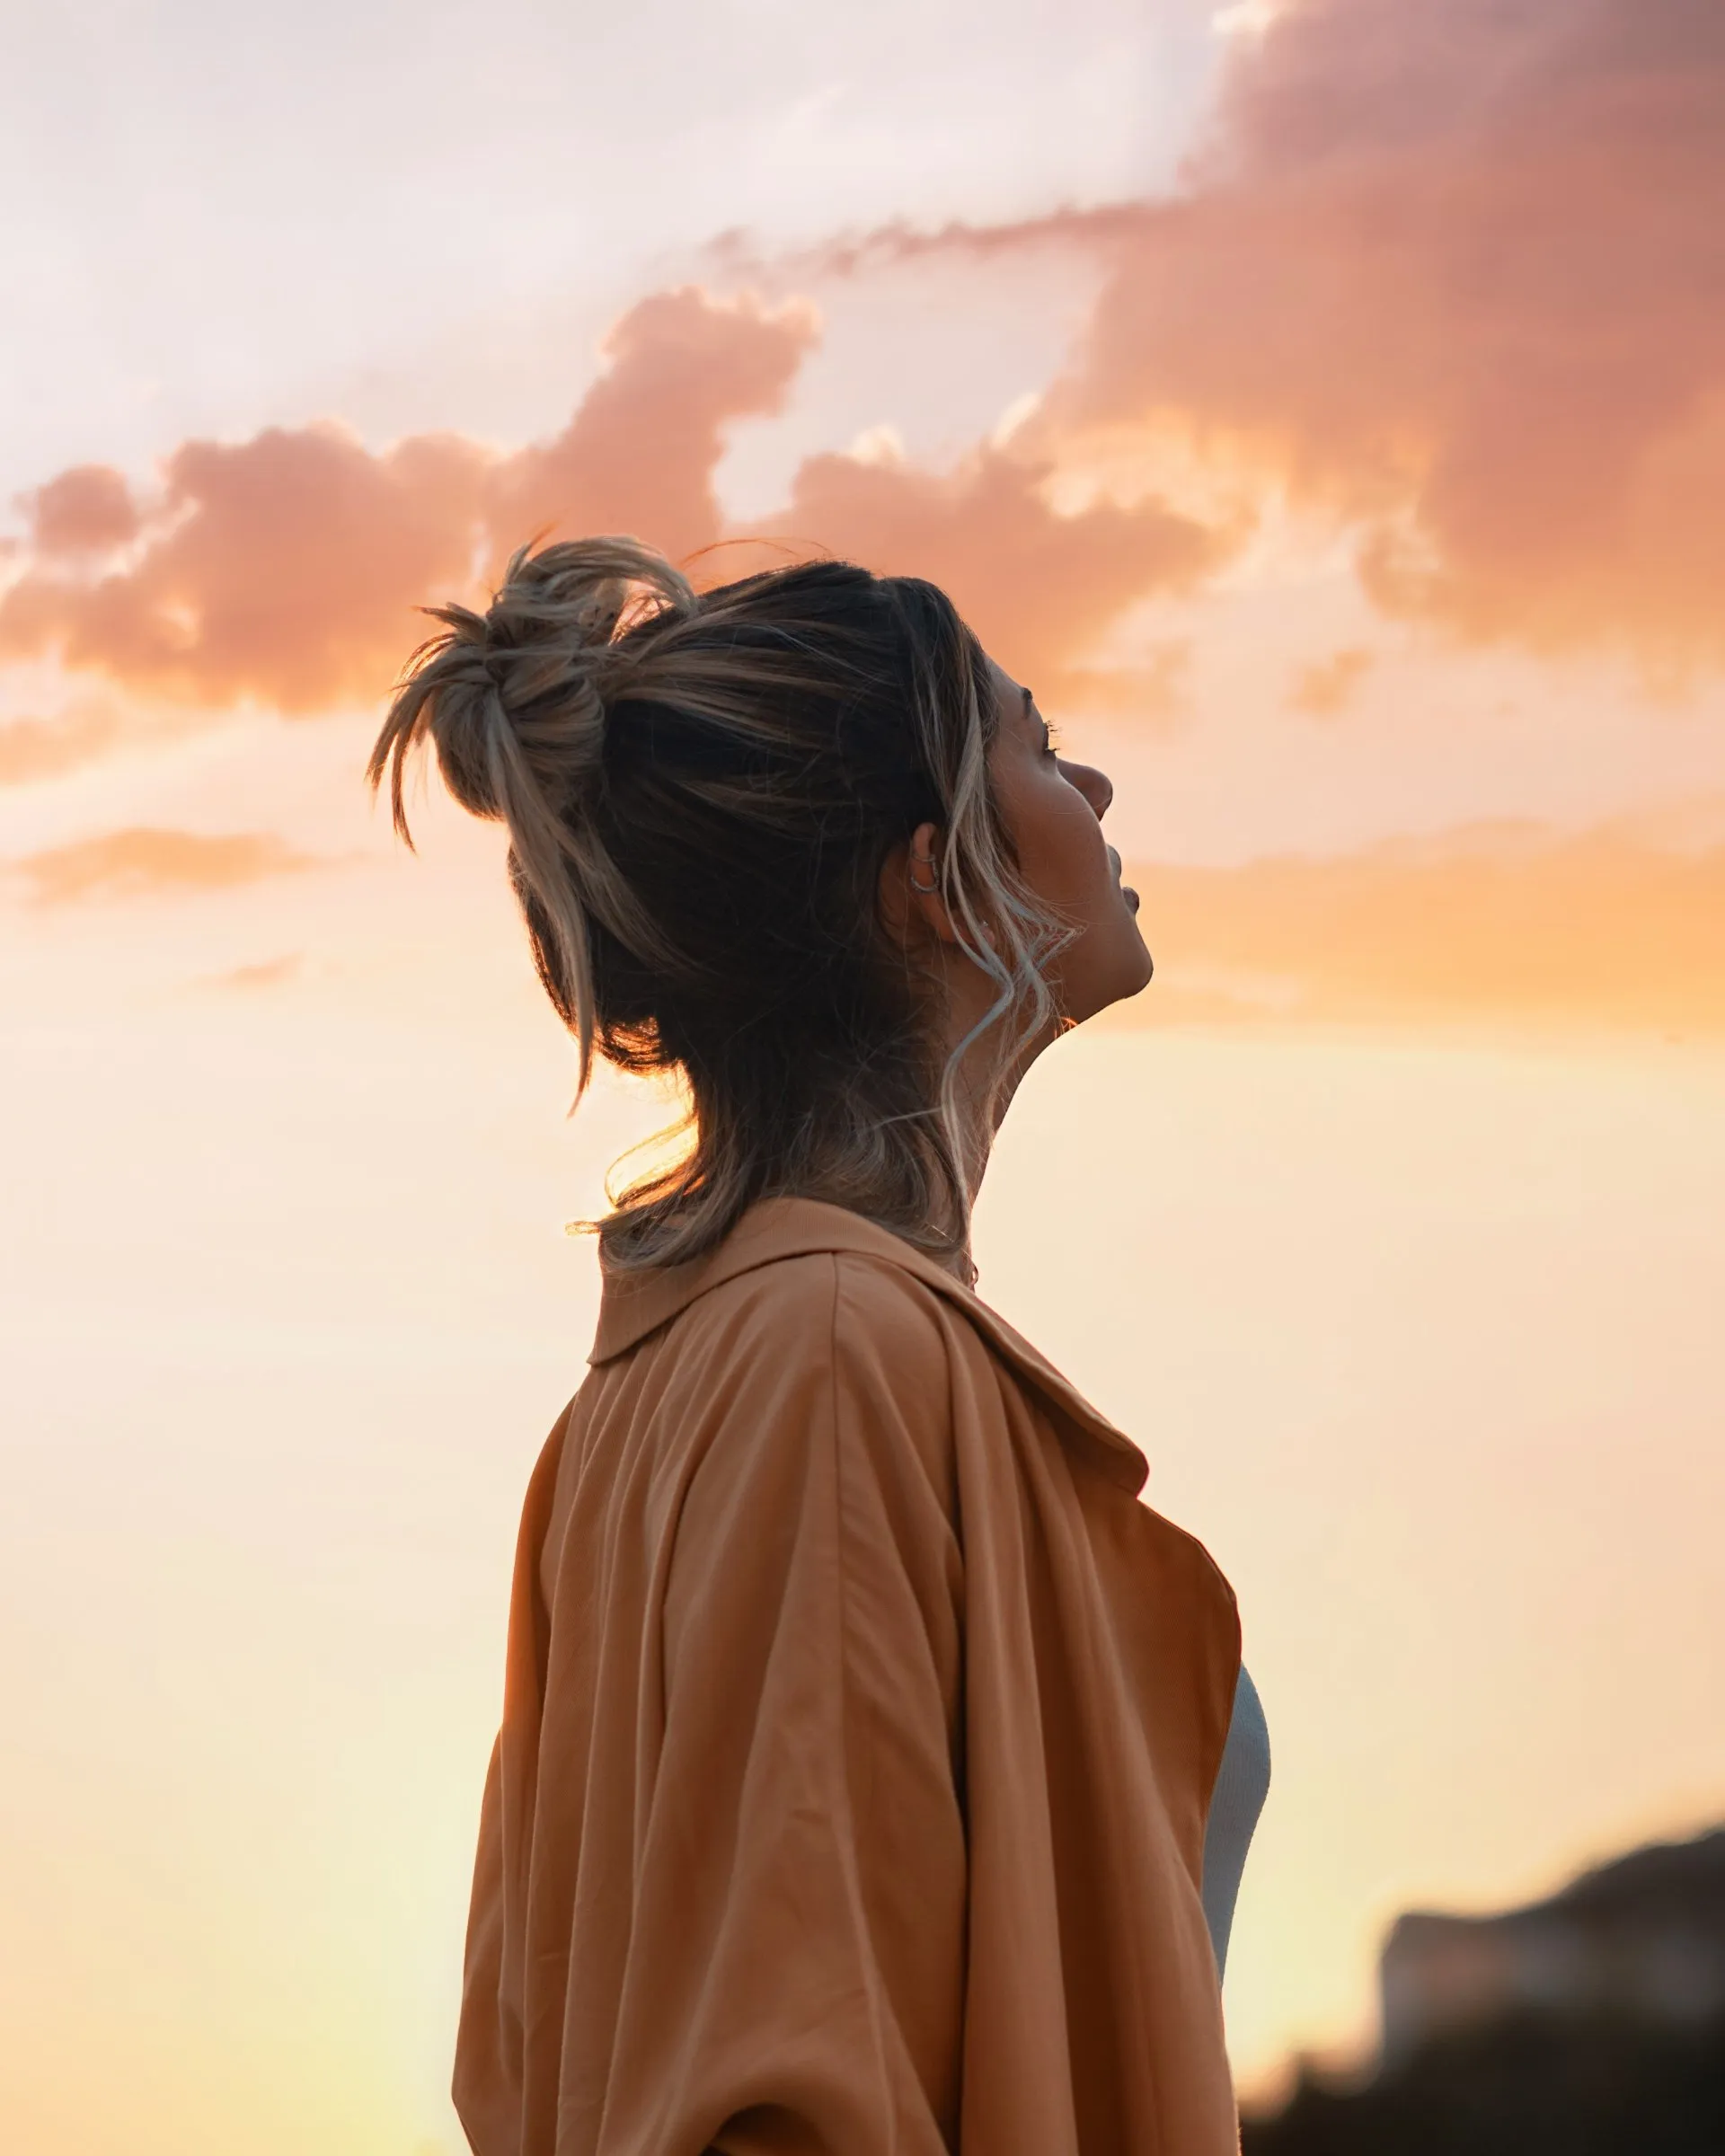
{"points": [[859, 1732]]}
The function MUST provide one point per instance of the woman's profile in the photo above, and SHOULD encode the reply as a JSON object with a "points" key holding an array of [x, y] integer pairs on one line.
{"points": [[875, 1769]]}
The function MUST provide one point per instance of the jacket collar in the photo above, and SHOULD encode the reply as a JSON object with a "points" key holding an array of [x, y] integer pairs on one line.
{"points": [[636, 1304]]}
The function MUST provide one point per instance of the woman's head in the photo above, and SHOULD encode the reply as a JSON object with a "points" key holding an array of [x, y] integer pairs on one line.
{"points": [[714, 801]]}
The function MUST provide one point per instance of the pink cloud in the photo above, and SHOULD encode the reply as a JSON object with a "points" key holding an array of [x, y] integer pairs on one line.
{"points": [[1456, 274], [640, 452], [284, 568], [89, 508], [289, 568], [1039, 588]]}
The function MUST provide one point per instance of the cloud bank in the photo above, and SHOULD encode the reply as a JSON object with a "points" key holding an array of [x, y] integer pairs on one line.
{"points": [[1453, 277], [286, 568], [1456, 273]]}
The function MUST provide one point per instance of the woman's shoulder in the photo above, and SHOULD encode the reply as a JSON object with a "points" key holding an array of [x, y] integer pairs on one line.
{"points": [[832, 1340], [806, 1301], [883, 1316], [838, 1306]]}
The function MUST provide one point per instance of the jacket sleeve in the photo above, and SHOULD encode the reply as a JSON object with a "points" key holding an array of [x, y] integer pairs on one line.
{"points": [[795, 1978]]}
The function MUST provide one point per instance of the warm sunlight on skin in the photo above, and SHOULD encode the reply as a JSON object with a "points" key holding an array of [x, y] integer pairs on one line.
{"points": [[1052, 808]]}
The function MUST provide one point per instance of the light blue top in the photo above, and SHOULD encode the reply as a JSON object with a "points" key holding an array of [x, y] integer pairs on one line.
{"points": [[1241, 1784]]}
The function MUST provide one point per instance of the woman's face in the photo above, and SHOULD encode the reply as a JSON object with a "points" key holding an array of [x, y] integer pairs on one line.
{"points": [[1053, 808]]}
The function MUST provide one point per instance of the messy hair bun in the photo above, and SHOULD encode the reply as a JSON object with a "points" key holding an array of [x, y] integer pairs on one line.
{"points": [[700, 791]]}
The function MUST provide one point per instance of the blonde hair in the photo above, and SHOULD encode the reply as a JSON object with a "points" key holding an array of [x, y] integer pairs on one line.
{"points": [[700, 790]]}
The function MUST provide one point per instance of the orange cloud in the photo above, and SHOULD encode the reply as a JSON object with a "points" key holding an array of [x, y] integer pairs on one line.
{"points": [[641, 451], [144, 861], [288, 567], [1152, 690], [1500, 927], [285, 568], [43, 748], [1461, 269], [269, 973], [1455, 273], [86, 730], [89, 508], [1328, 684], [1039, 588]]}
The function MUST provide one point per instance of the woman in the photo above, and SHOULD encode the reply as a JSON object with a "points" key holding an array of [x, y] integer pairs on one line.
{"points": [[860, 1728]]}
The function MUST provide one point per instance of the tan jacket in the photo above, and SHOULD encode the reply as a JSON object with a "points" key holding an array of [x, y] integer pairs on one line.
{"points": [[858, 1735]]}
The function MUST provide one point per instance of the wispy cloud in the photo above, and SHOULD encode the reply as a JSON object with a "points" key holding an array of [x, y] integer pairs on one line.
{"points": [[89, 729], [144, 861], [1328, 684], [248, 980], [45, 749], [1497, 926]]}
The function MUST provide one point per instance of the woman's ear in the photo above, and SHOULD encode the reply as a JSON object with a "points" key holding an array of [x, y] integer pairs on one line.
{"points": [[911, 904]]}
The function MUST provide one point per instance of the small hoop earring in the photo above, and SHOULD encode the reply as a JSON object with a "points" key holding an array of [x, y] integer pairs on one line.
{"points": [[928, 890]]}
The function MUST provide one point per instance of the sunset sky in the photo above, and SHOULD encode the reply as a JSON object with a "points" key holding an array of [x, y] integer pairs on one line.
{"points": [[1322, 408]]}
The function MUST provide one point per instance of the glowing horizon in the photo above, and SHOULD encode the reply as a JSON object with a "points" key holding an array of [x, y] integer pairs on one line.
{"points": [[1322, 407]]}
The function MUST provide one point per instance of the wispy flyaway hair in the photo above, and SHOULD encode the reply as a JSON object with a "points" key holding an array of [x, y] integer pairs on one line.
{"points": [[701, 790]]}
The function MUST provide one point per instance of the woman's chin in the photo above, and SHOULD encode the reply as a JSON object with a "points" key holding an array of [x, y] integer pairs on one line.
{"points": [[1142, 971], [1119, 984], [1140, 963]]}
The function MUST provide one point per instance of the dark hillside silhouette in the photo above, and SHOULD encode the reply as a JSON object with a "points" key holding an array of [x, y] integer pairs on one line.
{"points": [[1592, 2024]]}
